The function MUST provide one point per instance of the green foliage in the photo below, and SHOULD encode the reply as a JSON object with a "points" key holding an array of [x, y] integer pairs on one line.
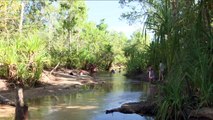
{"points": [[183, 40], [23, 57], [64, 37], [175, 100], [77, 43], [91, 45], [136, 53]]}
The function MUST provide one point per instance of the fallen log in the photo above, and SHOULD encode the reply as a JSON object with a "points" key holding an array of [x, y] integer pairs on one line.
{"points": [[6, 101], [54, 68], [142, 108], [149, 108], [203, 113], [58, 74]]}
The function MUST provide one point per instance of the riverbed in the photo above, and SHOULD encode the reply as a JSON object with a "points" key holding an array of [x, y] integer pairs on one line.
{"points": [[90, 104]]}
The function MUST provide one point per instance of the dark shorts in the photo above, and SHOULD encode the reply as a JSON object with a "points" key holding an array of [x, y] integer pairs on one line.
{"points": [[162, 72]]}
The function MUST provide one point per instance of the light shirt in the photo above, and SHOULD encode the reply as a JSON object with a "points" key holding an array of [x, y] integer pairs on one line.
{"points": [[161, 66], [151, 74]]}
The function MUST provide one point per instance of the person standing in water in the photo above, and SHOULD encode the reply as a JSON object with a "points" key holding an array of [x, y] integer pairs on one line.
{"points": [[161, 71], [151, 74]]}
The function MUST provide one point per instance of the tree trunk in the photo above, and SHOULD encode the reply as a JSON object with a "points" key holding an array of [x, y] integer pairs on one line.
{"points": [[5, 20], [21, 16], [21, 112], [174, 8], [109, 65]]}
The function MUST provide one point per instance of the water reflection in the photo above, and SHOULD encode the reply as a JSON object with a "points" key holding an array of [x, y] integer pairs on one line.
{"points": [[91, 105]]}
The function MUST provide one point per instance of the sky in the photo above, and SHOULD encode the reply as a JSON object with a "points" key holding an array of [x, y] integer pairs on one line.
{"points": [[110, 11]]}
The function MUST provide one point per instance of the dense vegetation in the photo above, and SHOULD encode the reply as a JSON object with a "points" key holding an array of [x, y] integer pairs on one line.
{"points": [[136, 53], [183, 40], [41, 34]]}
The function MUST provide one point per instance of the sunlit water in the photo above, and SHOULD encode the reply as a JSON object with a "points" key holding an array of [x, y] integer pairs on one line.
{"points": [[91, 105]]}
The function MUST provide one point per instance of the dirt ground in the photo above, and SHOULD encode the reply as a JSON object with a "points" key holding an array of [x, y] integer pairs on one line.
{"points": [[57, 83]]}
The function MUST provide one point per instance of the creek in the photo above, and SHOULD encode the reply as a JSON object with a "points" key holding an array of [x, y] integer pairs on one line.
{"points": [[91, 104]]}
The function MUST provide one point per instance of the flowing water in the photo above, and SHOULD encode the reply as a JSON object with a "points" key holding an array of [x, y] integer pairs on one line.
{"points": [[91, 104]]}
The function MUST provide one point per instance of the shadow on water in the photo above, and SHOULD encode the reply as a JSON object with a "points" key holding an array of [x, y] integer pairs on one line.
{"points": [[91, 105]]}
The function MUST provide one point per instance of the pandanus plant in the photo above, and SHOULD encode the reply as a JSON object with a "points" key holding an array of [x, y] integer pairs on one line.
{"points": [[184, 41], [23, 57], [188, 54]]}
